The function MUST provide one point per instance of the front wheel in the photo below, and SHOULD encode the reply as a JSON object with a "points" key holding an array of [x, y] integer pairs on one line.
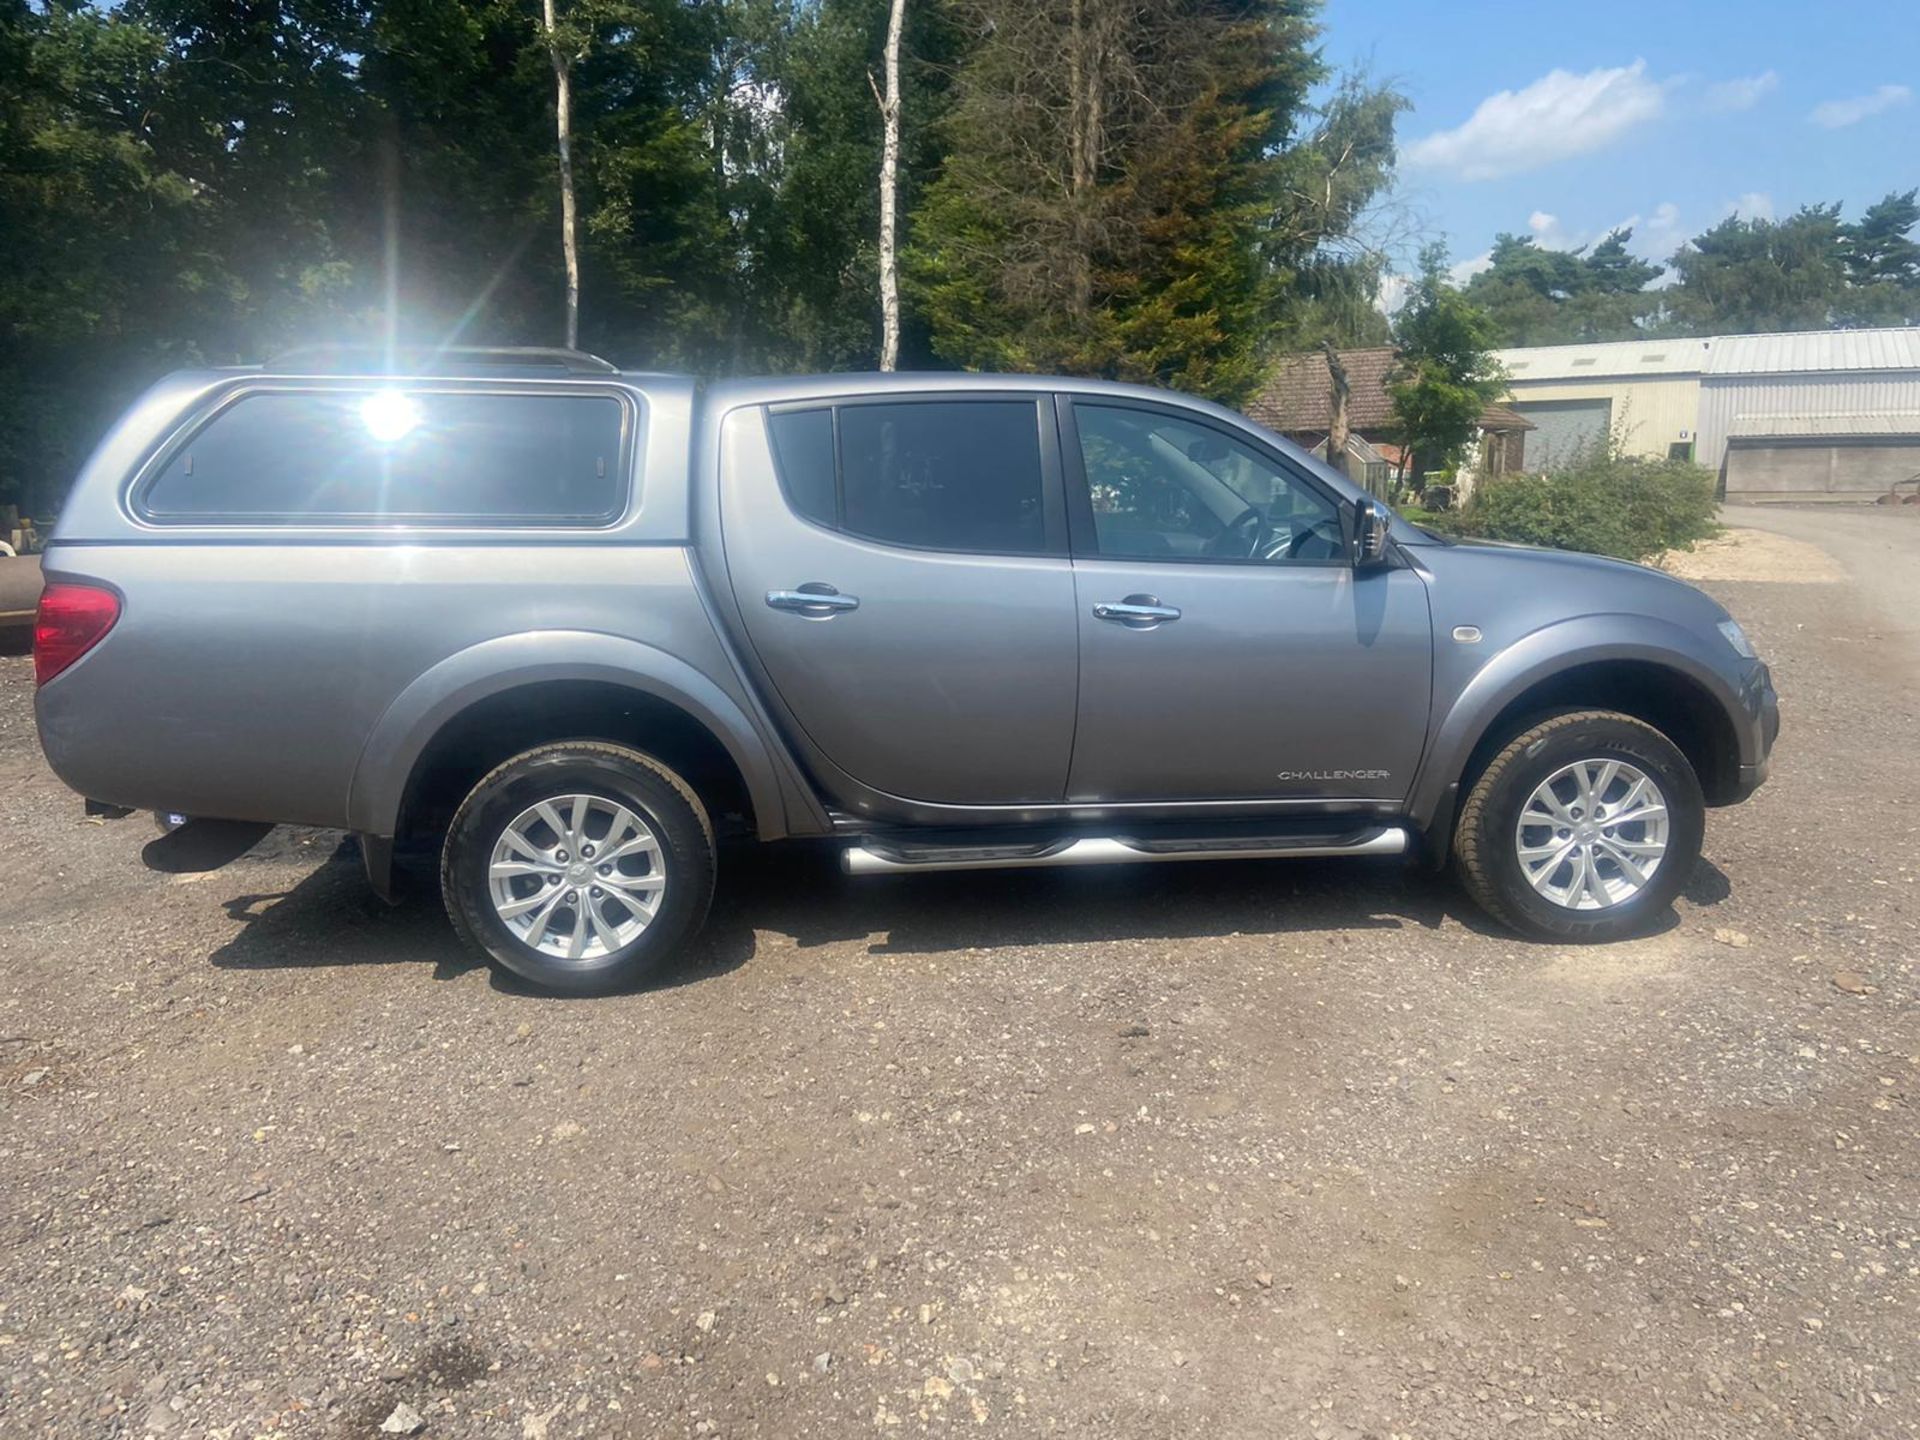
{"points": [[579, 866], [1583, 828]]}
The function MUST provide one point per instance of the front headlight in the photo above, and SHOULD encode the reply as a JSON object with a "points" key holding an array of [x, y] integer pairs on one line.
{"points": [[1737, 638]]}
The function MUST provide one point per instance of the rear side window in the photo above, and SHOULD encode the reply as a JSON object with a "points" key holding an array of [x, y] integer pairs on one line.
{"points": [[803, 448], [940, 475], [399, 456]]}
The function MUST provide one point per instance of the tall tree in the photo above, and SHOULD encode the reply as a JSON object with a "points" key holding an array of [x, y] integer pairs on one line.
{"points": [[1332, 176], [1882, 262], [1118, 188], [890, 191], [1335, 301], [1537, 296], [1612, 269], [452, 223], [1744, 274], [259, 105], [1749, 275], [1879, 248], [817, 256], [113, 267], [1444, 375], [564, 51]]}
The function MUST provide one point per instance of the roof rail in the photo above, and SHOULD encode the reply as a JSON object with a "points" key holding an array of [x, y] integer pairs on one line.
{"points": [[434, 360]]}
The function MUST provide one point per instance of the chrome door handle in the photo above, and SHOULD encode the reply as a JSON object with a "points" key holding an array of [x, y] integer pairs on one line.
{"points": [[1139, 611], [812, 598]]}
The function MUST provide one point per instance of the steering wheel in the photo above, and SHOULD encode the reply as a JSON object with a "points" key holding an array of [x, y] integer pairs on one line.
{"points": [[1326, 532], [1249, 523]]}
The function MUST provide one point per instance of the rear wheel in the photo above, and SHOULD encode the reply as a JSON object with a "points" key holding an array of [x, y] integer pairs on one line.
{"points": [[1583, 828], [579, 866]]}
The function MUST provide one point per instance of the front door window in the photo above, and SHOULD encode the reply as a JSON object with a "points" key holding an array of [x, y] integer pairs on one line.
{"points": [[1163, 488]]}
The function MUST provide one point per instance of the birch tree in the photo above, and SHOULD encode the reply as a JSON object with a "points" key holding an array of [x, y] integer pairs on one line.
{"points": [[890, 190], [564, 54]]}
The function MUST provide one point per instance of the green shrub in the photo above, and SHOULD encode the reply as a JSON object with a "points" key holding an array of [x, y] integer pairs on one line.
{"points": [[1610, 505]]}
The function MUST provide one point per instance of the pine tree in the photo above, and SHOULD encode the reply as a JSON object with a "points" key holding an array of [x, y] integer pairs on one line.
{"points": [[1750, 275], [1882, 263], [1537, 296], [1120, 196], [1878, 248]]}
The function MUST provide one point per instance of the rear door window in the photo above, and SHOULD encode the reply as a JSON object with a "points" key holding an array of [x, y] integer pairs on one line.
{"points": [[399, 456], [803, 449], [935, 474]]}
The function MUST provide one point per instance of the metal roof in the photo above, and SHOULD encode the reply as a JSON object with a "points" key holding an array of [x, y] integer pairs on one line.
{"points": [[1813, 351], [1812, 426], [1610, 360]]}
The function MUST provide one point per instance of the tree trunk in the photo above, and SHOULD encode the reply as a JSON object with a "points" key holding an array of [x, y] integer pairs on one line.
{"points": [[563, 124], [1338, 431], [889, 193], [1084, 119]]}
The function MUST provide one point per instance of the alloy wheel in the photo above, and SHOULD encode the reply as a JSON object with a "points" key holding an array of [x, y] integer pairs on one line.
{"points": [[1592, 834], [577, 877]]}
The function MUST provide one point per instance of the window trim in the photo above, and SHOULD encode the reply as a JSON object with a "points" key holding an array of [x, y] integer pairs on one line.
{"points": [[1085, 536], [216, 405], [1053, 502]]}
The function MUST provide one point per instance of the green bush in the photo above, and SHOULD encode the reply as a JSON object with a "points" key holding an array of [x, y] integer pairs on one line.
{"points": [[1610, 505]]}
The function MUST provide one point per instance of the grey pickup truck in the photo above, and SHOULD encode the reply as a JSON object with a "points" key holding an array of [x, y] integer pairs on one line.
{"points": [[563, 623]]}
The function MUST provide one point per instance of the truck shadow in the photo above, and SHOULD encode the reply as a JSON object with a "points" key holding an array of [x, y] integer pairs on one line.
{"points": [[331, 919], [800, 892]]}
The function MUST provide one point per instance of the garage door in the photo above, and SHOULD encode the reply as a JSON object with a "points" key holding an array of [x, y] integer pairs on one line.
{"points": [[1564, 430], [1818, 469]]}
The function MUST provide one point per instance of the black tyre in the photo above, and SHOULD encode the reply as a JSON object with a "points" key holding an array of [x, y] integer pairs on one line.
{"points": [[580, 866], [1583, 828]]}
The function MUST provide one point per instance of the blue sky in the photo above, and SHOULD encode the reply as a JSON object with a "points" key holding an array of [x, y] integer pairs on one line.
{"points": [[1567, 119]]}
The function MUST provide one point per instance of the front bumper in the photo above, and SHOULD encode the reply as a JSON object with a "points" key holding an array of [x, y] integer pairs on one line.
{"points": [[1753, 774]]}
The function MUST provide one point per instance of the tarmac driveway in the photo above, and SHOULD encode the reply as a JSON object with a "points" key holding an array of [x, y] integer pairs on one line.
{"points": [[1249, 1150]]}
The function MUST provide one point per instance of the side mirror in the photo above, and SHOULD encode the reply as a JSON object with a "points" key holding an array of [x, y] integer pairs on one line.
{"points": [[1370, 530]]}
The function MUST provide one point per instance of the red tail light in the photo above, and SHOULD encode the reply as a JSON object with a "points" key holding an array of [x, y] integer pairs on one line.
{"points": [[72, 620]]}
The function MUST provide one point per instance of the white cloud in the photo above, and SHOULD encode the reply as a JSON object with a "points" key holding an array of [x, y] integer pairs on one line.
{"points": [[1653, 234], [1657, 237], [1550, 234], [1557, 116], [1741, 94], [1664, 221], [1838, 114], [1465, 270], [1754, 205]]}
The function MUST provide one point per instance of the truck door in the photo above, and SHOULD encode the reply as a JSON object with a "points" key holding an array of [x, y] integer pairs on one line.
{"points": [[1228, 648], [901, 566]]}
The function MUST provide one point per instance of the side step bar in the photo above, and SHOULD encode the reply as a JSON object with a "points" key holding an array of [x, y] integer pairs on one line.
{"points": [[866, 858]]}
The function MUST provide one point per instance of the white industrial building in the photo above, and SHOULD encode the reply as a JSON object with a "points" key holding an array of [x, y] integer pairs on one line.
{"points": [[1644, 395], [1814, 415], [1820, 415]]}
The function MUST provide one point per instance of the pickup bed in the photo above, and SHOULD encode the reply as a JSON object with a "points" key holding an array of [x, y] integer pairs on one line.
{"points": [[560, 623]]}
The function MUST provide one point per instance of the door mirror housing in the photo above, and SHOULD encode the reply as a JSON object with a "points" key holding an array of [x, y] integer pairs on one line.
{"points": [[1371, 527]]}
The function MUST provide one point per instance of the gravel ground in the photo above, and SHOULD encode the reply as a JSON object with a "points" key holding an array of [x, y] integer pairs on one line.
{"points": [[1244, 1150]]}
